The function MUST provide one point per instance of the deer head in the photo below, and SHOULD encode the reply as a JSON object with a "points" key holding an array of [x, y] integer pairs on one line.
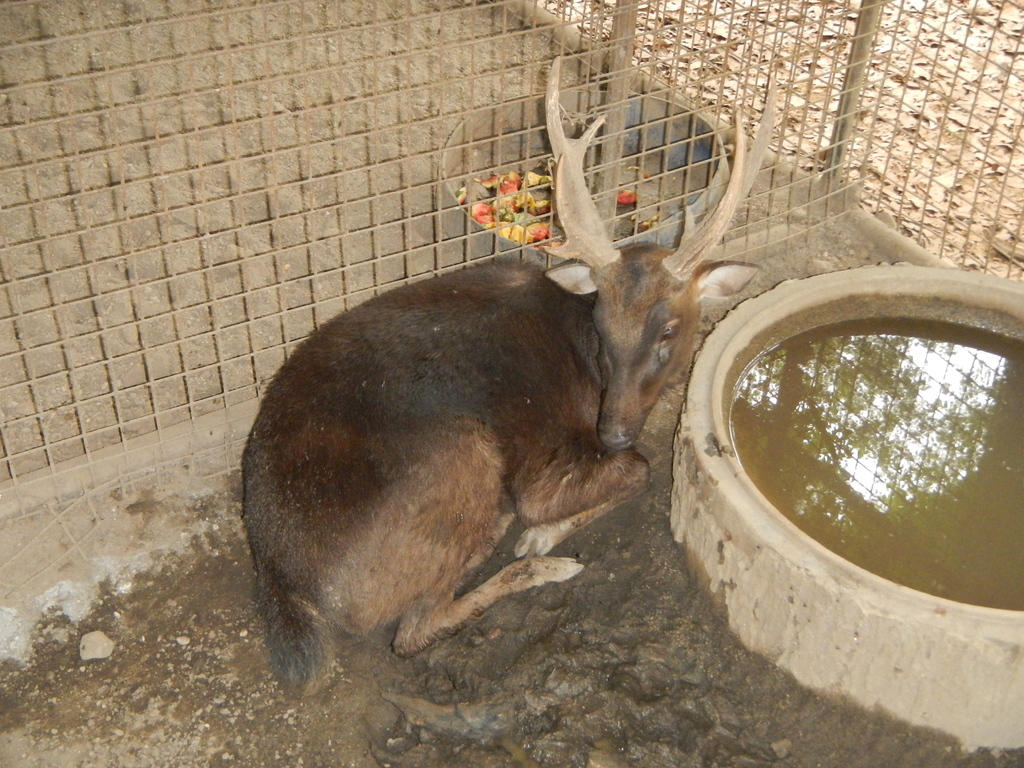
{"points": [[648, 298]]}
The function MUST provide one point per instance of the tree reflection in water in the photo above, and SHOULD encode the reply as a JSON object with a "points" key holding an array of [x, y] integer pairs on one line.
{"points": [[900, 446]]}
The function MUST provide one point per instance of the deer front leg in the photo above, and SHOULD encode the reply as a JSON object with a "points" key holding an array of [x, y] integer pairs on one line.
{"points": [[541, 539], [563, 499]]}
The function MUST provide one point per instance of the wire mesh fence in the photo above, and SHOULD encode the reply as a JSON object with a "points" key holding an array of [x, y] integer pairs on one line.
{"points": [[937, 108], [188, 188], [186, 192]]}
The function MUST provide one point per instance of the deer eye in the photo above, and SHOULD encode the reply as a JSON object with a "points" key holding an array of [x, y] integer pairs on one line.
{"points": [[670, 331]]}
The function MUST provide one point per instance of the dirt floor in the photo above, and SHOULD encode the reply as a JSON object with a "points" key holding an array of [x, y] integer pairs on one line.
{"points": [[628, 664]]}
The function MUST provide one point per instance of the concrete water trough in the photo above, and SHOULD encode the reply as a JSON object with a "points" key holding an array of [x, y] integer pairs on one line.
{"points": [[835, 626]]}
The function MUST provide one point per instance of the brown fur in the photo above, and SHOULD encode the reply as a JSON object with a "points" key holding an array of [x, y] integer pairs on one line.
{"points": [[391, 447]]}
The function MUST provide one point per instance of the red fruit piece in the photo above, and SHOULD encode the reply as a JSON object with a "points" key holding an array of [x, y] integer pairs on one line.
{"points": [[482, 214], [537, 232], [626, 197], [509, 183]]}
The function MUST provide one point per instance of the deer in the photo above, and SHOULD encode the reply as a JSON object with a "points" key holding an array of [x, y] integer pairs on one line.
{"points": [[397, 443]]}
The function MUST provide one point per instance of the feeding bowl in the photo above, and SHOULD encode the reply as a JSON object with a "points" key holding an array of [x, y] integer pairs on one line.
{"points": [[836, 626], [670, 157]]}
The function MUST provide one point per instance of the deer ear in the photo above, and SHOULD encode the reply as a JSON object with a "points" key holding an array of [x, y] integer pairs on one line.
{"points": [[724, 278], [575, 278]]}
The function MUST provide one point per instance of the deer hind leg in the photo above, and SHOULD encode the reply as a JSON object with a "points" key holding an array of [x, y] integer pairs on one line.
{"points": [[485, 551], [435, 529], [439, 615], [429, 621], [572, 492]]}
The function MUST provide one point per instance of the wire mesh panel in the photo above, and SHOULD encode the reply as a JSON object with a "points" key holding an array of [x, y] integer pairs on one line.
{"points": [[188, 188], [186, 192], [925, 95], [940, 147]]}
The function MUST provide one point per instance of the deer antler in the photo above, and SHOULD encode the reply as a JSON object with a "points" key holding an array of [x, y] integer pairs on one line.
{"points": [[694, 245], [585, 235], [586, 238]]}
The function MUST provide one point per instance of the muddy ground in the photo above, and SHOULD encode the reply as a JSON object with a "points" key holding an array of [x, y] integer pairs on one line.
{"points": [[628, 664]]}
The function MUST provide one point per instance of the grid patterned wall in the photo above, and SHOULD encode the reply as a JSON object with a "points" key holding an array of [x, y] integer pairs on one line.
{"points": [[188, 187]]}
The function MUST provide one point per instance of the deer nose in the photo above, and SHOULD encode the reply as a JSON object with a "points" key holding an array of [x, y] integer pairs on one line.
{"points": [[617, 438]]}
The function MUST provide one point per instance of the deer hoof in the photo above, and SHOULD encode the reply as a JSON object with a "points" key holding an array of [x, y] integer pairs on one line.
{"points": [[550, 569], [533, 572], [537, 540]]}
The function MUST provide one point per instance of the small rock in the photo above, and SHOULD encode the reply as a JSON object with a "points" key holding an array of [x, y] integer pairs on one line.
{"points": [[183, 640], [820, 266], [146, 507], [399, 745], [886, 218], [695, 677], [539, 702], [782, 748], [603, 758], [563, 683], [479, 722], [95, 645]]}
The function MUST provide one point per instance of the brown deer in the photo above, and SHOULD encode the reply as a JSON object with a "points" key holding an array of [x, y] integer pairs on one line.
{"points": [[396, 444]]}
